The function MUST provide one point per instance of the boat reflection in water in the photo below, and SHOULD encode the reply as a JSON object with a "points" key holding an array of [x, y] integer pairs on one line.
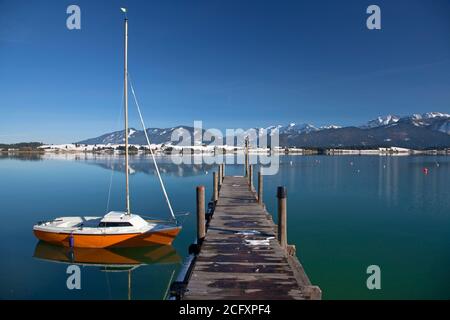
{"points": [[109, 259]]}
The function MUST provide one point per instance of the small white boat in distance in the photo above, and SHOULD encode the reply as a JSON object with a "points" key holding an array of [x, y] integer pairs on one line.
{"points": [[115, 229]]}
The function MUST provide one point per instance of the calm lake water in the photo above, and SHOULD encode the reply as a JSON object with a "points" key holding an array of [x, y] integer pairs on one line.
{"points": [[344, 214]]}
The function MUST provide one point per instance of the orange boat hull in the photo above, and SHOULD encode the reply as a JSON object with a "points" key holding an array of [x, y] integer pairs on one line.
{"points": [[163, 237]]}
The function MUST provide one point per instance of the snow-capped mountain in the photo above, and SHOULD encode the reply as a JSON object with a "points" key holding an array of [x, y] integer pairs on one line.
{"points": [[331, 126], [291, 129], [426, 130], [442, 126], [432, 115], [156, 135], [116, 137], [294, 128], [417, 131], [381, 121], [436, 121]]}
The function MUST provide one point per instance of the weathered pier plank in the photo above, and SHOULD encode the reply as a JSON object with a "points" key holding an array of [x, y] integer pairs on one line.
{"points": [[241, 257]]}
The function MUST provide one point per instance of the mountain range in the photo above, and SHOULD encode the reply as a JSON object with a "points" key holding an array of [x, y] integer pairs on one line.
{"points": [[417, 131]]}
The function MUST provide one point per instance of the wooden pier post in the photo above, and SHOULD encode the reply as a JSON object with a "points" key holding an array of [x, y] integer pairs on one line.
{"points": [[201, 231], [223, 171], [220, 175], [282, 219], [260, 187], [250, 177], [215, 187], [246, 156], [246, 167]]}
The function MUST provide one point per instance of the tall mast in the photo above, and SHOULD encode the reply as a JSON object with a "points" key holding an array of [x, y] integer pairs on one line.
{"points": [[126, 118]]}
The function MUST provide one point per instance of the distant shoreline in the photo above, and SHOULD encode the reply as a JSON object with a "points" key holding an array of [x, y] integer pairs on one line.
{"points": [[283, 151], [211, 150]]}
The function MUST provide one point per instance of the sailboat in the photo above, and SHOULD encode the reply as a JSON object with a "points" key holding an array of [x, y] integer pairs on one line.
{"points": [[116, 228]]}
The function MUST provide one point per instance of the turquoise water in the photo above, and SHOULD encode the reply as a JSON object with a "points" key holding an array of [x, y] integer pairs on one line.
{"points": [[344, 214]]}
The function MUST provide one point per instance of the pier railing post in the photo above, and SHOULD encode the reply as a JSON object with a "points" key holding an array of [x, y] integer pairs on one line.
{"points": [[215, 187], [245, 168], [246, 162], [201, 228], [220, 175], [250, 177], [260, 187], [223, 171], [282, 219]]}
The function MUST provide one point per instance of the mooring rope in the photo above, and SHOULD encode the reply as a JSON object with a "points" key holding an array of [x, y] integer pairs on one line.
{"points": [[151, 151]]}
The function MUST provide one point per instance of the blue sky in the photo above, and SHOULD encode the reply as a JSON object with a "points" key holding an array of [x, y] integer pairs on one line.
{"points": [[234, 63]]}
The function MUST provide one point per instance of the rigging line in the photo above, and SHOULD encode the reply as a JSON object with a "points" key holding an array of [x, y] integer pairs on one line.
{"points": [[112, 167], [151, 151], [166, 293], [109, 190]]}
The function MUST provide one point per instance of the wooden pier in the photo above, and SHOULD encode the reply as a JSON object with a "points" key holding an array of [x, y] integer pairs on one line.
{"points": [[242, 254]]}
